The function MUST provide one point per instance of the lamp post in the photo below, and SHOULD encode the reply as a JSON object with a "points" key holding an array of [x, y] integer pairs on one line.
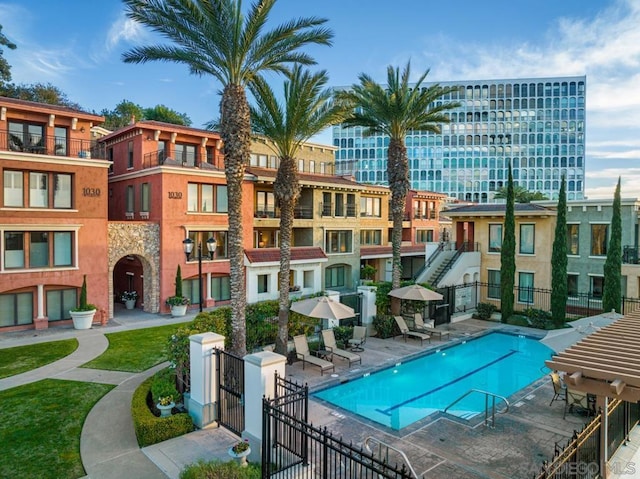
{"points": [[187, 246]]}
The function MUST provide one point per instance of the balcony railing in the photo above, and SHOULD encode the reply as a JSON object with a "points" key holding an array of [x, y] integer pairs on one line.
{"points": [[160, 158], [51, 145], [263, 211], [340, 211], [405, 216], [630, 255], [302, 212]]}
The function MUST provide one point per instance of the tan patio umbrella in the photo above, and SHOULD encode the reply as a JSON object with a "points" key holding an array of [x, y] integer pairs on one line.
{"points": [[415, 292], [323, 307]]}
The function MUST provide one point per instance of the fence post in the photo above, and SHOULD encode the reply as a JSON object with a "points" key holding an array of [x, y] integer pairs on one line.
{"points": [[368, 309], [204, 390], [259, 373]]}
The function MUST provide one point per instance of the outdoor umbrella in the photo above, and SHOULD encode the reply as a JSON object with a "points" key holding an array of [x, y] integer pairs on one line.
{"points": [[323, 307], [415, 292], [561, 339]]}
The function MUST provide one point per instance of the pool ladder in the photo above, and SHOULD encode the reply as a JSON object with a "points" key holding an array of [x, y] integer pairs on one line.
{"points": [[489, 410], [383, 452]]}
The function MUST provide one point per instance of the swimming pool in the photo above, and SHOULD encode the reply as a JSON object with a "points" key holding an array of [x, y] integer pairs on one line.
{"points": [[401, 395]]}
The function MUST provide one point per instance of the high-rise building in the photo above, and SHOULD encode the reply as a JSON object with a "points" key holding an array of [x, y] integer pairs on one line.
{"points": [[537, 124]]}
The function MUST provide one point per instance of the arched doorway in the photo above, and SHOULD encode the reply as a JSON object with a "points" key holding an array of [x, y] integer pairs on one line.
{"points": [[128, 276]]}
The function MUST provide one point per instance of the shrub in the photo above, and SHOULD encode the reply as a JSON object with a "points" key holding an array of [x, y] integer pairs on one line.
{"points": [[538, 318], [384, 326], [220, 470], [485, 310], [343, 334], [163, 385], [151, 429], [517, 320]]}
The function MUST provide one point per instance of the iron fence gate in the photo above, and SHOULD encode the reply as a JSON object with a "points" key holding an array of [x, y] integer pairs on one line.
{"points": [[230, 377], [353, 300]]}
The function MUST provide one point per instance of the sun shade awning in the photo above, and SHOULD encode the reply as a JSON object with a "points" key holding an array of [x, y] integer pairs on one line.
{"points": [[606, 362]]}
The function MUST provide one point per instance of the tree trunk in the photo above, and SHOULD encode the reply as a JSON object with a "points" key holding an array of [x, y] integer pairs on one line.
{"points": [[287, 192], [235, 130], [398, 173]]}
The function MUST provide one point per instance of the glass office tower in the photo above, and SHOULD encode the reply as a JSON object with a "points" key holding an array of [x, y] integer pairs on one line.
{"points": [[537, 124]]}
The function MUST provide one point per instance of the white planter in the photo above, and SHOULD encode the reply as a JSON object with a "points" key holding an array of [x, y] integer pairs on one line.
{"points": [[241, 457], [165, 411], [178, 310], [82, 319], [130, 303]]}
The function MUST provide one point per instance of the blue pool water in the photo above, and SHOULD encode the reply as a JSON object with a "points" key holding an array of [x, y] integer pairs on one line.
{"points": [[401, 395]]}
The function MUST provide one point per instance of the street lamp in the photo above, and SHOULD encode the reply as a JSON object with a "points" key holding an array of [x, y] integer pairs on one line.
{"points": [[187, 246]]}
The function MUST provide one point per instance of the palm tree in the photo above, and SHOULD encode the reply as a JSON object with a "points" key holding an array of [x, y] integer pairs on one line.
{"points": [[394, 110], [308, 108], [215, 37], [520, 194]]}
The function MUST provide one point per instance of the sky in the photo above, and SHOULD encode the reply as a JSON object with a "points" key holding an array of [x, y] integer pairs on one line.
{"points": [[78, 48]]}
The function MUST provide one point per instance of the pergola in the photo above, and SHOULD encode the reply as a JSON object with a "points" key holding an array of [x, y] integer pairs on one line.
{"points": [[606, 363]]}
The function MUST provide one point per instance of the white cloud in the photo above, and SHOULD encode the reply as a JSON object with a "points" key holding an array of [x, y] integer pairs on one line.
{"points": [[124, 30]]}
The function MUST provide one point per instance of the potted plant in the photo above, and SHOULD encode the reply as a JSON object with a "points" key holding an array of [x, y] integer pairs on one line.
{"points": [[82, 316], [367, 273], [177, 302], [240, 451], [165, 405], [295, 291], [129, 299]]}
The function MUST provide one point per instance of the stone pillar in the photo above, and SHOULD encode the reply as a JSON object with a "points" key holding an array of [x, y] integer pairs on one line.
{"points": [[259, 374], [368, 308], [204, 390]]}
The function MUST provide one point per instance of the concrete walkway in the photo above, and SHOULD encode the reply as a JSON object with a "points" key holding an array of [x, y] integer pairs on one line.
{"points": [[108, 445]]}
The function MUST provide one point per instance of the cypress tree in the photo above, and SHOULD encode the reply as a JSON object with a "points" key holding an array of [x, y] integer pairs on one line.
{"points": [[179, 282], [612, 294], [508, 254], [559, 291]]}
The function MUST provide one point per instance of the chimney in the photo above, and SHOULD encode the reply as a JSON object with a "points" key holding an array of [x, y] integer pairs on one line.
{"points": [[133, 120]]}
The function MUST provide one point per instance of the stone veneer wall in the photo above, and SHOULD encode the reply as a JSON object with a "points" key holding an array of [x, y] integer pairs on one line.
{"points": [[140, 239]]}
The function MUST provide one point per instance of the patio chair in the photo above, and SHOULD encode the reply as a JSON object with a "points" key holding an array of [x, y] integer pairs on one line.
{"points": [[428, 327], [578, 400], [559, 389], [303, 353], [358, 339], [330, 344], [406, 332]]}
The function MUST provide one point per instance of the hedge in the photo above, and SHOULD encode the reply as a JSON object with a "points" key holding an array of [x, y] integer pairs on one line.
{"points": [[151, 429]]}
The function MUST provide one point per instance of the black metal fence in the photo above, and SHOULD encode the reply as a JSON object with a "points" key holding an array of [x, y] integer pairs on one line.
{"points": [[580, 457], [51, 145], [230, 376], [293, 448]]}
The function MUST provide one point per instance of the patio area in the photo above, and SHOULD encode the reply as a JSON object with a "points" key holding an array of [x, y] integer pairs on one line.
{"points": [[442, 445]]}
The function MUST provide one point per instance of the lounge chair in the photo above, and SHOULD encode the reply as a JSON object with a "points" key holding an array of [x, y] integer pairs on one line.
{"points": [[330, 344], [303, 353], [559, 392], [406, 332], [358, 339], [428, 327]]}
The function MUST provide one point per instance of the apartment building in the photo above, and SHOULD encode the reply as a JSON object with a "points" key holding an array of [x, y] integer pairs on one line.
{"points": [[536, 124]]}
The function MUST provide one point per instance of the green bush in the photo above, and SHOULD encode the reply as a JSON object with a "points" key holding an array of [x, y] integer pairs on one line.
{"points": [[517, 320], [163, 384], [384, 325], [485, 310], [538, 318], [220, 470], [151, 429], [343, 334]]}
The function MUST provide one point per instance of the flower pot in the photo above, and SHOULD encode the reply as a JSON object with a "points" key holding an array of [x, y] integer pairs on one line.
{"points": [[165, 411], [130, 303], [82, 319], [241, 457], [178, 310]]}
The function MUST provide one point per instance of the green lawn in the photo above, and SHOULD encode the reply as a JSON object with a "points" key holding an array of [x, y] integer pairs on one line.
{"points": [[41, 426], [25, 358], [134, 351]]}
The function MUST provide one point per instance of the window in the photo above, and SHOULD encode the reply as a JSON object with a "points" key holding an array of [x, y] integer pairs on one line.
{"points": [[200, 198], [13, 188], [220, 288], [334, 277], [308, 279], [265, 204], [493, 291], [130, 155], [263, 283], [599, 235], [191, 290], [130, 199], [596, 286], [201, 237], [351, 205], [59, 302], [44, 249], [495, 238], [424, 236], [16, 309], [370, 206], [60, 141], [326, 204], [527, 239], [339, 204], [144, 197], [39, 185], [338, 241], [525, 287], [185, 154], [572, 284], [373, 237], [573, 239], [27, 137]]}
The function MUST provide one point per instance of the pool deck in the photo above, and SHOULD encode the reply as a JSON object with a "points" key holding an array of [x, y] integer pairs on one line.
{"points": [[442, 445]]}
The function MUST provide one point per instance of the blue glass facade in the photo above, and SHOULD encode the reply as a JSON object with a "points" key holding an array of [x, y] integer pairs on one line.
{"points": [[536, 124]]}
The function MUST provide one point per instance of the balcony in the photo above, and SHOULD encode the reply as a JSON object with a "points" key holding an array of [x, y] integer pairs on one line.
{"points": [[160, 158], [341, 210], [630, 255], [51, 145], [303, 212]]}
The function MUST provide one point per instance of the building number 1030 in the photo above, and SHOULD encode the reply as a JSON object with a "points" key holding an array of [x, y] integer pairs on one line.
{"points": [[91, 192]]}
